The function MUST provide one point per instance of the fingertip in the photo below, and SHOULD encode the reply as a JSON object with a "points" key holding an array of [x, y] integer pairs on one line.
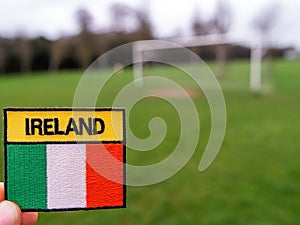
{"points": [[1, 191], [29, 218], [19, 213], [10, 213]]}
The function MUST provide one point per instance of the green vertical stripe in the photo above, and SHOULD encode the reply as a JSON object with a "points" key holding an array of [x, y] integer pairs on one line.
{"points": [[26, 175]]}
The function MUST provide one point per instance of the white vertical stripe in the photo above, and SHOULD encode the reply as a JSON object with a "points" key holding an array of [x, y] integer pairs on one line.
{"points": [[66, 176]]}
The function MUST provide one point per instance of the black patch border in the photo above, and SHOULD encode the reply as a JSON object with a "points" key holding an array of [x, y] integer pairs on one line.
{"points": [[83, 109]]}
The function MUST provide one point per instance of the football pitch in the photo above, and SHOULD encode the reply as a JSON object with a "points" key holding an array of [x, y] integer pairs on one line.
{"points": [[255, 178]]}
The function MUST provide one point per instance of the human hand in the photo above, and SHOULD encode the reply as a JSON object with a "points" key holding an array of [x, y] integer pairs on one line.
{"points": [[10, 213]]}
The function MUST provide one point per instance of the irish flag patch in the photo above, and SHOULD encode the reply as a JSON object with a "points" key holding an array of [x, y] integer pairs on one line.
{"points": [[65, 159]]}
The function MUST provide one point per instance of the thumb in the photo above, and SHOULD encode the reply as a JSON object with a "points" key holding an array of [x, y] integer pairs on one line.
{"points": [[9, 213]]}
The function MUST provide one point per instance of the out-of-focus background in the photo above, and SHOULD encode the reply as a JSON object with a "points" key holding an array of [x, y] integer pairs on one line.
{"points": [[46, 45], [48, 36]]}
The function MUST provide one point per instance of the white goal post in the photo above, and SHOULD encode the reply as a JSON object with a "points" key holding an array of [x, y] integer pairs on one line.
{"points": [[256, 54]]}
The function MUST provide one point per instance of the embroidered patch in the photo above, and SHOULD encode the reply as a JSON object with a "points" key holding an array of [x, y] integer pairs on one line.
{"points": [[65, 159]]}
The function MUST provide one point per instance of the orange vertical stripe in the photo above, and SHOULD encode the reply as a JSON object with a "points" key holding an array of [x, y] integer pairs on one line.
{"points": [[104, 175]]}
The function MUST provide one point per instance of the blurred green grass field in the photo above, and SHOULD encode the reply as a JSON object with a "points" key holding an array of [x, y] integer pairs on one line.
{"points": [[254, 180]]}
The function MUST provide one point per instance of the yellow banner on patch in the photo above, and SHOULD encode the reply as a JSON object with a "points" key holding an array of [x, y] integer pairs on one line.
{"points": [[64, 124]]}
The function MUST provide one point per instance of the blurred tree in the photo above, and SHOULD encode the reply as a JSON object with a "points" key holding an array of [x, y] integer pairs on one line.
{"points": [[220, 24], [130, 24], [199, 25], [24, 52], [58, 51], [222, 17], [84, 20], [122, 18], [85, 39], [40, 53], [264, 23], [144, 30], [2, 59]]}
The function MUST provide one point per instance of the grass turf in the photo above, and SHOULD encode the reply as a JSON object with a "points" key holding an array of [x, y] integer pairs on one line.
{"points": [[254, 180]]}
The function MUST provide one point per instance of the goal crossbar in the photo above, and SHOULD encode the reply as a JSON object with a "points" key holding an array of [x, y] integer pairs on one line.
{"points": [[256, 54]]}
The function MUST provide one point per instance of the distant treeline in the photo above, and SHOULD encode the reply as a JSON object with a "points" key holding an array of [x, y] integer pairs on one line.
{"points": [[23, 54], [40, 54]]}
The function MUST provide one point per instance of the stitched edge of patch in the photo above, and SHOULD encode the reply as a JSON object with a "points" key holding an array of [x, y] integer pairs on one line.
{"points": [[123, 142]]}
